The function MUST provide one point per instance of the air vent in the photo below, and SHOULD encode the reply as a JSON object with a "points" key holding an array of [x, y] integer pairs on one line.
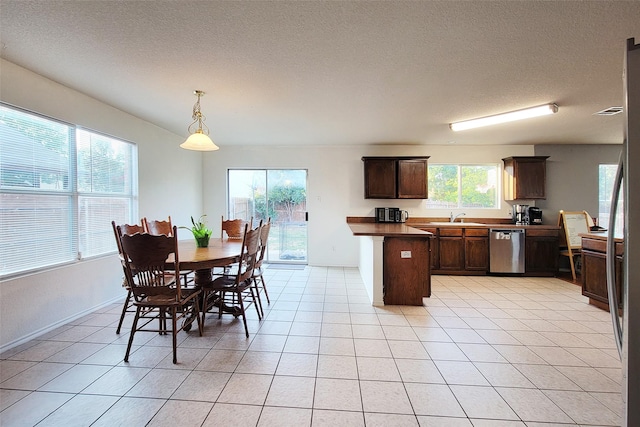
{"points": [[611, 111]]}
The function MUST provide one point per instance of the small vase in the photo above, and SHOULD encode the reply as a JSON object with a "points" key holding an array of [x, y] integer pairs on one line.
{"points": [[202, 242]]}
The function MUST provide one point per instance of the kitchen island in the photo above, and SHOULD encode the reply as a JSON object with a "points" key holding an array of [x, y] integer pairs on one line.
{"points": [[394, 262], [594, 269]]}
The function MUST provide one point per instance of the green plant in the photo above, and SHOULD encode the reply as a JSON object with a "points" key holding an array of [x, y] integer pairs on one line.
{"points": [[200, 230]]}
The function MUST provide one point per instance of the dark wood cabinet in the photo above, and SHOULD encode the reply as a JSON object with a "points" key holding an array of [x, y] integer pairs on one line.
{"points": [[525, 177], [541, 252], [476, 249], [406, 272], [451, 249], [395, 177], [434, 247], [594, 271]]}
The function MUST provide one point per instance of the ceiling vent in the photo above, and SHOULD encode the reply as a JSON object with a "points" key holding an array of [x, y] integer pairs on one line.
{"points": [[611, 111]]}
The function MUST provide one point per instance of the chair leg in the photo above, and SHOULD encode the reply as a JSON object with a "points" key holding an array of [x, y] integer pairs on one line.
{"points": [[174, 332], [133, 331], [264, 287], [255, 297], [573, 268], [244, 317], [125, 306]]}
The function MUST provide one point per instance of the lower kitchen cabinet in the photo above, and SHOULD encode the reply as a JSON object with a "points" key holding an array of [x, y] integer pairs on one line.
{"points": [[406, 272], [465, 251], [451, 250], [541, 252], [594, 271], [434, 245], [476, 249]]}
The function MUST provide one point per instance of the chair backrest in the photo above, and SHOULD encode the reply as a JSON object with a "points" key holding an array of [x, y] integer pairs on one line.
{"points": [[233, 228], [264, 237], [158, 227], [145, 257], [125, 229], [249, 254]]}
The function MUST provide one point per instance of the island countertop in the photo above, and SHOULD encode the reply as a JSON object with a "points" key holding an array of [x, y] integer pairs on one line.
{"points": [[387, 229]]}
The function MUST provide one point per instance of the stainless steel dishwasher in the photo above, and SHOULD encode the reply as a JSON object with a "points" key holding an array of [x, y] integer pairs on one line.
{"points": [[506, 250]]}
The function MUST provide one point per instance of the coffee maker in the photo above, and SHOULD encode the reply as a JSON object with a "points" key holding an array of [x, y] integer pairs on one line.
{"points": [[519, 214], [535, 215]]}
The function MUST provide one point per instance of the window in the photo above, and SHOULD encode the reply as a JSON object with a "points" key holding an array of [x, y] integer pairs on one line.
{"points": [[463, 186], [60, 188], [606, 178]]}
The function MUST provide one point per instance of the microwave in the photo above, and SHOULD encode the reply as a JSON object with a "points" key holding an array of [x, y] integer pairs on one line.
{"points": [[391, 215]]}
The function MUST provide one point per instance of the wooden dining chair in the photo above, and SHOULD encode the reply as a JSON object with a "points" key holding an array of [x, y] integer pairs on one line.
{"points": [[156, 292], [158, 227], [128, 229], [227, 290], [257, 276], [233, 228]]}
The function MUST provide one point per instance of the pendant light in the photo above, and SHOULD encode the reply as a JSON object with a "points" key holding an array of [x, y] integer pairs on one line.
{"points": [[198, 138]]}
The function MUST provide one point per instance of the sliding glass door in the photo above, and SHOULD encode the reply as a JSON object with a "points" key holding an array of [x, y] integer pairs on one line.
{"points": [[279, 194]]}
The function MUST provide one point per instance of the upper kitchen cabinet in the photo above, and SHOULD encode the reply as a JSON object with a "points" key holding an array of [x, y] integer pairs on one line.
{"points": [[395, 177], [525, 177]]}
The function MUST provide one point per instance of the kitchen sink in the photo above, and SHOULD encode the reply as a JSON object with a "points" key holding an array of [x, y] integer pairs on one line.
{"points": [[459, 224]]}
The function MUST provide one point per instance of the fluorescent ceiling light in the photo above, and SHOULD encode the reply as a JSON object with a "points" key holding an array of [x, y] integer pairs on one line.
{"points": [[541, 110]]}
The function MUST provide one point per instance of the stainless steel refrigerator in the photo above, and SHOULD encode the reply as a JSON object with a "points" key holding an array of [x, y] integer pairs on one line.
{"points": [[627, 328]]}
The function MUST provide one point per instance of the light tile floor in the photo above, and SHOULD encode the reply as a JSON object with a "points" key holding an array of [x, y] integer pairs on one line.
{"points": [[482, 351]]}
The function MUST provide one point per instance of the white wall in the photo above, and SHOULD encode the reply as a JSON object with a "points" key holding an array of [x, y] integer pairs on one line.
{"points": [[336, 187], [170, 183]]}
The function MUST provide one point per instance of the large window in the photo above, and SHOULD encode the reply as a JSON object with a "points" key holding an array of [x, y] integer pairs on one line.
{"points": [[463, 186], [606, 178], [60, 187]]}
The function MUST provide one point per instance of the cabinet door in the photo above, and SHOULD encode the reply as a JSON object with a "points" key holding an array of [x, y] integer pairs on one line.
{"points": [[452, 253], [405, 267], [541, 252], [379, 178], [530, 179], [525, 177], [412, 179], [594, 277], [476, 253]]}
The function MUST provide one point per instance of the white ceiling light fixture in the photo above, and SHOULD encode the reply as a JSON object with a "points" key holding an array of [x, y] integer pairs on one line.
{"points": [[198, 138], [527, 113]]}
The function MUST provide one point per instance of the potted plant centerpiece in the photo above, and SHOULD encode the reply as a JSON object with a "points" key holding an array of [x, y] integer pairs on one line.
{"points": [[200, 232]]}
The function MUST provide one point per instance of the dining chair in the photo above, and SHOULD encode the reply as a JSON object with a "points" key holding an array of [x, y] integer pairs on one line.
{"points": [[158, 226], [157, 292], [127, 307], [161, 227], [229, 289], [233, 228], [257, 276]]}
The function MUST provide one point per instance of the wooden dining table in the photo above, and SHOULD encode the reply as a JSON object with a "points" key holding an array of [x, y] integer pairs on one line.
{"points": [[219, 253]]}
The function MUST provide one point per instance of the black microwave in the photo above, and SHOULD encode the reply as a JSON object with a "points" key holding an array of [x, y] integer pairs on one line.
{"points": [[391, 215]]}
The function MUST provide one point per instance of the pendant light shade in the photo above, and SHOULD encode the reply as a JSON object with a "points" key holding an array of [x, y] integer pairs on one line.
{"points": [[198, 139]]}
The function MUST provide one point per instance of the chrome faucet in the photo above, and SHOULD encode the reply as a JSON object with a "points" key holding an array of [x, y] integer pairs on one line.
{"points": [[453, 218]]}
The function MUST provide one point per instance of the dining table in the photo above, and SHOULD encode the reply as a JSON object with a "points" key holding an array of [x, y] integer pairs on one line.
{"points": [[219, 253]]}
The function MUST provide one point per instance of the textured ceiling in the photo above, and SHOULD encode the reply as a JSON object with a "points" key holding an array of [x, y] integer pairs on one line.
{"points": [[349, 72]]}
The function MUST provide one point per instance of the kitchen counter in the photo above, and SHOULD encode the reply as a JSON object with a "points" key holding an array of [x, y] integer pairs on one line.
{"points": [[394, 262], [386, 229], [462, 248]]}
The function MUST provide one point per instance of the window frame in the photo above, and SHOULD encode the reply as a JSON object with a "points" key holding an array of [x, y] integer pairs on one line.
{"points": [[71, 243]]}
